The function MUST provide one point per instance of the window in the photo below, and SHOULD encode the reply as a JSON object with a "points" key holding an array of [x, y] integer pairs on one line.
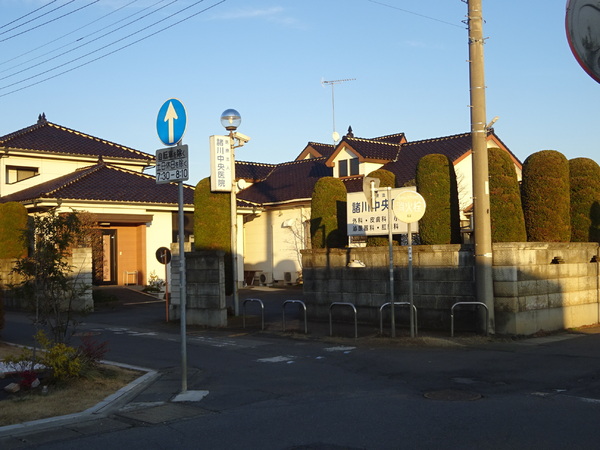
{"points": [[348, 167], [14, 174], [343, 170]]}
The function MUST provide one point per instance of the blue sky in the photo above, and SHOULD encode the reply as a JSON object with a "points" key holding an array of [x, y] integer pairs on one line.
{"points": [[267, 59]]}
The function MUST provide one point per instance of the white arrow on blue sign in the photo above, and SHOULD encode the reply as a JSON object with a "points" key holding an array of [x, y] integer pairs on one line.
{"points": [[171, 121]]}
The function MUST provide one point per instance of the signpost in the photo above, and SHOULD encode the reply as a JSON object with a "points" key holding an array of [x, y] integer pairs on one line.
{"points": [[171, 122], [172, 165], [409, 207], [163, 255]]}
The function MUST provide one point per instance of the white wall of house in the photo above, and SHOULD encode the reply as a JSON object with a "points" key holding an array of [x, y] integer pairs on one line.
{"points": [[49, 167], [273, 241]]}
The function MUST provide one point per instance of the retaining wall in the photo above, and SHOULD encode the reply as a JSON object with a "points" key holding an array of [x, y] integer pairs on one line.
{"points": [[537, 286]]}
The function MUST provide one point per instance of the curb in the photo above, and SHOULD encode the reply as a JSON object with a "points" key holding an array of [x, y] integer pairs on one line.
{"points": [[102, 409]]}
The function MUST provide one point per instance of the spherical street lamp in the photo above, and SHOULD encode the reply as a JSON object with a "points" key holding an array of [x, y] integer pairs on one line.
{"points": [[231, 119]]}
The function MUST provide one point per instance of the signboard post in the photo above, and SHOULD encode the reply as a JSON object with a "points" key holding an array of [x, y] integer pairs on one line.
{"points": [[409, 207], [172, 165]]}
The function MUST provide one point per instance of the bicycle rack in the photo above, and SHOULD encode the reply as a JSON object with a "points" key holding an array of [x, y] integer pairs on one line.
{"points": [[262, 307], [302, 305], [487, 315], [401, 304], [355, 319]]}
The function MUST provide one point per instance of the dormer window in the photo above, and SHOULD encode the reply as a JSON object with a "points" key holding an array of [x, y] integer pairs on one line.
{"points": [[348, 167]]}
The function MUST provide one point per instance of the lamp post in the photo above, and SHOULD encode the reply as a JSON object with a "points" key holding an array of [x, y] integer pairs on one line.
{"points": [[231, 120]]}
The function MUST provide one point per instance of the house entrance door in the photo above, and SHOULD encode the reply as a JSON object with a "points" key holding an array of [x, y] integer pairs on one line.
{"points": [[109, 257]]}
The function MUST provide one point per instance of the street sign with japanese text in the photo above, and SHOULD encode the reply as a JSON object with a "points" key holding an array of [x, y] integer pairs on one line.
{"points": [[172, 164], [221, 164], [364, 220], [409, 206]]}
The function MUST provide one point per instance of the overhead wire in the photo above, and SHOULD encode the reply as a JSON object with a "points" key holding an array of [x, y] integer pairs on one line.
{"points": [[111, 52], [416, 14], [69, 33], [88, 43], [49, 21], [28, 14]]}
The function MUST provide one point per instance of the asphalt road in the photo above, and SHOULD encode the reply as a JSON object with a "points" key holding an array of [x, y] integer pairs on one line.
{"points": [[270, 390]]}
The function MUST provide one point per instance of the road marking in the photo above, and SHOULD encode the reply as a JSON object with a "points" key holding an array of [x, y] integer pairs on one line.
{"points": [[277, 359], [340, 349]]}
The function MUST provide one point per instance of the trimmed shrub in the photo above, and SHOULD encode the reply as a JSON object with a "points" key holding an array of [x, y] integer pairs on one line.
{"points": [[436, 182], [212, 225], [584, 178], [13, 224], [386, 179], [506, 210], [328, 214], [546, 198]]}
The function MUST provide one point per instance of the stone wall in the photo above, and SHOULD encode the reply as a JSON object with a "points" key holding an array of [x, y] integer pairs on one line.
{"points": [[81, 263], [537, 286], [205, 289], [545, 286]]}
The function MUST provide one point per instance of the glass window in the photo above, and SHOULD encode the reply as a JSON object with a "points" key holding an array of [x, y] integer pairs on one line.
{"points": [[14, 174], [343, 170], [354, 166]]}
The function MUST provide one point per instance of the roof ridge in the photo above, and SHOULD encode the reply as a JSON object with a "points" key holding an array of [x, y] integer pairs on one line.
{"points": [[22, 131], [80, 173], [371, 140], [441, 138], [256, 163]]}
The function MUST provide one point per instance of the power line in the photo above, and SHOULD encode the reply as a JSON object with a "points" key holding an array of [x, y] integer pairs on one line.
{"points": [[416, 14], [28, 14], [87, 43], [49, 21], [114, 51], [68, 34]]}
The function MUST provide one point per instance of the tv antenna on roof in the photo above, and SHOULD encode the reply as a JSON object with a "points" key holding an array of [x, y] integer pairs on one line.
{"points": [[332, 83]]}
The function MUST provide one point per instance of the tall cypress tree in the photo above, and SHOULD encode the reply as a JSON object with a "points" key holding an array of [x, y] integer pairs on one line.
{"points": [[436, 182], [584, 177], [328, 214], [546, 197], [506, 210]]}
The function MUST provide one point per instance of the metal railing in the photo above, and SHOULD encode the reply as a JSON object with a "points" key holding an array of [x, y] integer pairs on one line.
{"points": [[262, 307], [401, 304], [487, 315], [302, 305], [355, 318]]}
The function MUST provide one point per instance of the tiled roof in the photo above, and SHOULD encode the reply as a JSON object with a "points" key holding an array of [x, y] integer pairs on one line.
{"points": [[251, 171], [391, 138], [406, 166], [104, 183], [323, 149], [48, 137], [371, 149], [287, 181]]}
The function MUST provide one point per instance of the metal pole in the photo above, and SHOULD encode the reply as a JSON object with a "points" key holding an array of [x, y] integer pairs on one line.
{"points": [[391, 248], [410, 282], [481, 197], [182, 288], [233, 203]]}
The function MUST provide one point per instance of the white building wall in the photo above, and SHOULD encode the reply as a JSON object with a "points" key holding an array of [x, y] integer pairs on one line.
{"points": [[158, 234], [273, 242]]}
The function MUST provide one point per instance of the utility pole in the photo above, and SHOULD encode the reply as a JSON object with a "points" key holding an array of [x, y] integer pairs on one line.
{"points": [[481, 191]]}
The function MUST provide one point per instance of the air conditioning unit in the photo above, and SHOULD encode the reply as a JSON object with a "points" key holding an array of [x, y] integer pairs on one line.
{"points": [[289, 277], [266, 278]]}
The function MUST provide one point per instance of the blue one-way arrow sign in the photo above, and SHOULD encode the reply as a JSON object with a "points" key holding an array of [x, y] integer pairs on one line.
{"points": [[171, 121]]}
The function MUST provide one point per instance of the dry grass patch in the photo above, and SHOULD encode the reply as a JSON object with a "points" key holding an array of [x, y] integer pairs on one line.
{"points": [[64, 398]]}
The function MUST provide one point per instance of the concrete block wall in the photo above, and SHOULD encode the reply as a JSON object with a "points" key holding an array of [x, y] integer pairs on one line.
{"points": [[442, 276], [537, 286], [205, 289], [545, 286]]}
